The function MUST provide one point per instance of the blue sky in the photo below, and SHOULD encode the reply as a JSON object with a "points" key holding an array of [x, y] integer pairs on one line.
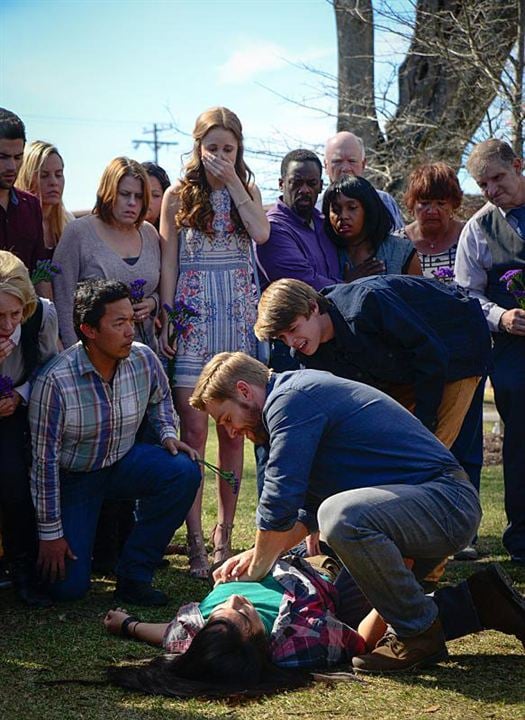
{"points": [[90, 75]]}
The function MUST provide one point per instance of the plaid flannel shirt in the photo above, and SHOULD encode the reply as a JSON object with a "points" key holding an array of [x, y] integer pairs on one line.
{"points": [[306, 633]]}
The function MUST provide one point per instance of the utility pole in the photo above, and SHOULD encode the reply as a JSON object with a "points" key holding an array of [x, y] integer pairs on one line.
{"points": [[156, 143]]}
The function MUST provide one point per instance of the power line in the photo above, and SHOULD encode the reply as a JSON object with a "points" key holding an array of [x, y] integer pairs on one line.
{"points": [[156, 143]]}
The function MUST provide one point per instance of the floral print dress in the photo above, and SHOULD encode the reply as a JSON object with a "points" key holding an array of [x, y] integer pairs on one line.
{"points": [[216, 279]]}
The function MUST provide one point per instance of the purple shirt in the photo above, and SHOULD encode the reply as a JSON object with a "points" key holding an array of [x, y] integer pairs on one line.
{"points": [[21, 229], [297, 250]]}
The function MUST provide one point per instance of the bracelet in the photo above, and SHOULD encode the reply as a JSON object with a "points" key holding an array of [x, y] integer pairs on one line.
{"points": [[243, 202], [124, 628]]}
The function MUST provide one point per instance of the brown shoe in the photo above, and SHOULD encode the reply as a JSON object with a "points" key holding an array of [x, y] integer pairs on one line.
{"points": [[498, 604], [393, 654]]}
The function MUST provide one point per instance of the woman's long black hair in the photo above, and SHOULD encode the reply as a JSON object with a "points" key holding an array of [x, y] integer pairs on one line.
{"points": [[378, 220], [220, 662]]}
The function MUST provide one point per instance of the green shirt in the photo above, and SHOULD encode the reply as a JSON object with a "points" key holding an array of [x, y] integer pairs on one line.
{"points": [[265, 595]]}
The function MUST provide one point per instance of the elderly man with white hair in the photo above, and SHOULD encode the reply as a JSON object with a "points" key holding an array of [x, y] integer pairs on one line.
{"points": [[490, 263], [345, 155]]}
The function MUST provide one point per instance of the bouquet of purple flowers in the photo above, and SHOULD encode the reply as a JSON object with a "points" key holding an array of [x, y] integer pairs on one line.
{"points": [[44, 271], [136, 295], [179, 325], [6, 387], [444, 275], [515, 283]]}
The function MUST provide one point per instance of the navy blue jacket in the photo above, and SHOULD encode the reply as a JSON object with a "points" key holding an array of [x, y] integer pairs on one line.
{"points": [[402, 329]]}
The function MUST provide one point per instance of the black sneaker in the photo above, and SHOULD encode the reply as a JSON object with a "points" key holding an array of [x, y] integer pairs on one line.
{"points": [[28, 587], [135, 592]]}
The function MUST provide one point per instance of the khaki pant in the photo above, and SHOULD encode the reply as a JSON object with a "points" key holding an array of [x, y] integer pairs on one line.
{"points": [[456, 400]]}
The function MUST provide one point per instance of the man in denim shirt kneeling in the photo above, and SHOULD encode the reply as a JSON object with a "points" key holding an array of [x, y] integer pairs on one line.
{"points": [[348, 460]]}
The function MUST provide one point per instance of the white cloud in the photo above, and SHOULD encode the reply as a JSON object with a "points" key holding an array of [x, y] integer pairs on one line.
{"points": [[250, 60], [259, 56]]}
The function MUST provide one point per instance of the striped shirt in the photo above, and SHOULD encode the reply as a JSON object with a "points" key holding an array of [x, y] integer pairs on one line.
{"points": [[429, 263], [81, 423]]}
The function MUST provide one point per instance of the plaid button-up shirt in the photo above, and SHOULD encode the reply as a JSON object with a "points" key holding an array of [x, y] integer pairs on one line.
{"points": [[306, 632], [81, 423]]}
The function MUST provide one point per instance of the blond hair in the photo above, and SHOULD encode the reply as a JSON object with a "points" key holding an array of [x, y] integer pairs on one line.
{"points": [[487, 151], [28, 179], [15, 280], [117, 170], [219, 377], [281, 303]]}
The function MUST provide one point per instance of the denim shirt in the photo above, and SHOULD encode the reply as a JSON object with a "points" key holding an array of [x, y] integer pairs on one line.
{"points": [[328, 435], [404, 330]]}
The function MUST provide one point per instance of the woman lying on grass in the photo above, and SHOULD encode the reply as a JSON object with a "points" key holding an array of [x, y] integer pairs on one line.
{"points": [[245, 637]]}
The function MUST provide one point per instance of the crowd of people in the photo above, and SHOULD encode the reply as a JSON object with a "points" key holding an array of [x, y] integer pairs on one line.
{"points": [[122, 332]]}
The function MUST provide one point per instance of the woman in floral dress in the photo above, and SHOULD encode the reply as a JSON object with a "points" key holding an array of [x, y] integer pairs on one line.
{"points": [[208, 221]]}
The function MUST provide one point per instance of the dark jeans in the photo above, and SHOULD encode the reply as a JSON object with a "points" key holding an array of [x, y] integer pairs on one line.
{"points": [[18, 514], [508, 379], [455, 606], [164, 485]]}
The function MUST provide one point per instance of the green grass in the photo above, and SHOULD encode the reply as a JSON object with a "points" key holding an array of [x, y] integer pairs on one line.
{"points": [[484, 678]]}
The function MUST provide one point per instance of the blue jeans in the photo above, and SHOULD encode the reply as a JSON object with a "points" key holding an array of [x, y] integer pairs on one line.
{"points": [[164, 485], [372, 529], [508, 379], [456, 608]]}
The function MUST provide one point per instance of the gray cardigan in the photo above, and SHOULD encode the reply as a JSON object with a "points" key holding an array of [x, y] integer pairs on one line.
{"points": [[82, 254]]}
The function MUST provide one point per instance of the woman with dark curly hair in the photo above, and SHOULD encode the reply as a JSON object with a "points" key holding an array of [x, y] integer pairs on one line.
{"points": [[357, 221], [208, 220]]}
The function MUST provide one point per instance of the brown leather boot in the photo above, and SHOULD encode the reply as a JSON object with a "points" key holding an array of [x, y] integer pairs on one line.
{"points": [[498, 604], [394, 654]]}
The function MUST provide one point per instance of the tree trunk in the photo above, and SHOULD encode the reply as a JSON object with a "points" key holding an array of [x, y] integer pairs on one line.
{"points": [[518, 106], [355, 41], [447, 81]]}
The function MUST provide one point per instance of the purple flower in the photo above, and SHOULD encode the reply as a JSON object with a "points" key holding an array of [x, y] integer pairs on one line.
{"points": [[509, 276], [515, 283], [6, 386], [44, 271], [443, 273], [136, 290], [179, 316]]}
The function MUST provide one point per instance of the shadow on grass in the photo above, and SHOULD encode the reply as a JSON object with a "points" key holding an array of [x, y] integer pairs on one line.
{"points": [[486, 678]]}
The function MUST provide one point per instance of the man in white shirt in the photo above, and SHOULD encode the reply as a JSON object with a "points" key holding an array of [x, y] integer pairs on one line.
{"points": [[491, 243]]}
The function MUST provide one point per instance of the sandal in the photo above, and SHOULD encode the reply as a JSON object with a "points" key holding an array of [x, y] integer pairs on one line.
{"points": [[222, 551], [198, 556]]}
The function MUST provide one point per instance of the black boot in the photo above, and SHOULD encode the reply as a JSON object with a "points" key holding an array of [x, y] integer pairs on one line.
{"points": [[5, 578], [27, 585], [135, 592], [498, 604]]}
